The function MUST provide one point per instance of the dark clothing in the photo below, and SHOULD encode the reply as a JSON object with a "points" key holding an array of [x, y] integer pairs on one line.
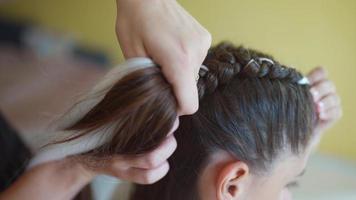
{"points": [[14, 155]]}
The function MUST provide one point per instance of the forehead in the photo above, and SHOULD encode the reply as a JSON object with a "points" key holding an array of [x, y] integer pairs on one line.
{"points": [[292, 164], [284, 170], [287, 167]]}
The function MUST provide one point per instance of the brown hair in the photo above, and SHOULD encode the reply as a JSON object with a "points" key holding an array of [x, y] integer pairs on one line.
{"points": [[141, 107], [252, 110]]}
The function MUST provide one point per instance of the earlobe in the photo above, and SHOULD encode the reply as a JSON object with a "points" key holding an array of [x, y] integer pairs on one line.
{"points": [[232, 180]]}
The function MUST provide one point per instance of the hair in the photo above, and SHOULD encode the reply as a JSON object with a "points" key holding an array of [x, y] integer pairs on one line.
{"points": [[252, 110]]}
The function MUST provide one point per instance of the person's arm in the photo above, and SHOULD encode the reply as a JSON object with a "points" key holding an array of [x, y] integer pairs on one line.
{"points": [[53, 180], [63, 179], [166, 32]]}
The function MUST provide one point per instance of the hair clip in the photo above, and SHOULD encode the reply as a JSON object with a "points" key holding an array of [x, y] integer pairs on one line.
{"points": [[304, 81], [250, 62], [260, 60], [201, 73], [204, 67]]}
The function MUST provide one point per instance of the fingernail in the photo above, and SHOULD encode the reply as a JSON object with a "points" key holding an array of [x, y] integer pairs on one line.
{"points": [[317, 109], [322, 115], [171, 132]]}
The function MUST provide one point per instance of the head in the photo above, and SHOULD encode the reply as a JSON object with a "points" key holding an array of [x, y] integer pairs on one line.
{"points": [[250, 138]]}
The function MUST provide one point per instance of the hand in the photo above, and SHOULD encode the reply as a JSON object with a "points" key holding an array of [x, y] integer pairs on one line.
{"points": [[143, 169], [326, 99], [164, 31], [55, 180]]}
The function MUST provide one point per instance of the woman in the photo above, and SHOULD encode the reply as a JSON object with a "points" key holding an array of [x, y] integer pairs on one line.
{"points": [[250, 139], [188, 43]]}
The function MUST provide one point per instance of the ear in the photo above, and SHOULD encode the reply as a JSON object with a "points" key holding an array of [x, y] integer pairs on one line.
{"points": [[232, 181]]}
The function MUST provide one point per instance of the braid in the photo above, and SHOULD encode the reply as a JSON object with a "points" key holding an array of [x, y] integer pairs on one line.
{"points": [[225, 61]]}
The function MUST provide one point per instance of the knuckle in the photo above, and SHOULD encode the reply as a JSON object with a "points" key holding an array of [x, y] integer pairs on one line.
{"points": [[148, 177], [206, 37], [193, 108], [152, 160], [189, 109], [320, 73], [174, 143]]}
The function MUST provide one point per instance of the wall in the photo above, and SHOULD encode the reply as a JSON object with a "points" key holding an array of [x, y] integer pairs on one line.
{"points": [[301, 33]]}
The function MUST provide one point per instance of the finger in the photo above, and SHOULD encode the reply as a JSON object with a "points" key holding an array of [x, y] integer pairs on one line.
{"points": [[316, 75], [331, 114], [322, 89], [182, 78], [328, 102], [175, 127], [147, 176], [203, 47], [156, 157], [179, 71]]}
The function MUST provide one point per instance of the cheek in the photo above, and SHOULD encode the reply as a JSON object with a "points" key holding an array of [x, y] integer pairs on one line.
{"points": [[286, 195], [263, 189]]}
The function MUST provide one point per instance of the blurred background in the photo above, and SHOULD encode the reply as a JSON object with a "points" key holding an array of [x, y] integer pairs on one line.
{"points": [[51, 51]]}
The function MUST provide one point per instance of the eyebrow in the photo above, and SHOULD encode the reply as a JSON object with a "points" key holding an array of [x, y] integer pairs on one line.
{"points": [[301, 173]]}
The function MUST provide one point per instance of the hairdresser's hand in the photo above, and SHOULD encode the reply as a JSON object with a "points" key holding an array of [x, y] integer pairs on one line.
{"points": [[143, 169], [326, 99], [164, 31], [55, 180]]}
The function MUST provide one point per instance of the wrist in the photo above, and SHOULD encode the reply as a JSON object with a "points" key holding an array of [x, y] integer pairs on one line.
{"points": [[71, 177], [77, 173], [61, 179]]}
